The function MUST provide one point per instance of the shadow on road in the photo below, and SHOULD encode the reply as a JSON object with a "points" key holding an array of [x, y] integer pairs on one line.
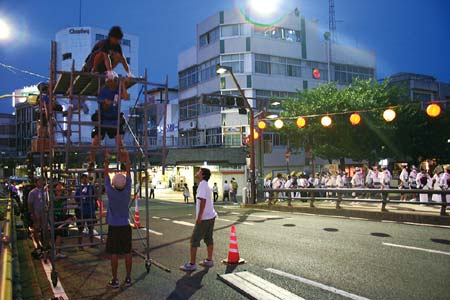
{"points": [[188, 285]]}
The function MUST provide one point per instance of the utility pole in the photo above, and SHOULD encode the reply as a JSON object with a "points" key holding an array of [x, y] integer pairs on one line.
{"points": [[332, 20]]}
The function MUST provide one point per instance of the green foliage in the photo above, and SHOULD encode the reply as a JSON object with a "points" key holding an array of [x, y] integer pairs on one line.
{"points": [[403, 139]]}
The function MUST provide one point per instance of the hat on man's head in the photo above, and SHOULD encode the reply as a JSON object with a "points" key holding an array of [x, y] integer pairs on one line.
{"points": [[119, 181], [357, 169]]}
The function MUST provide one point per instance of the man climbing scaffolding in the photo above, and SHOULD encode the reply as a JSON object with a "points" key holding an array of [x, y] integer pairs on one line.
{"points": [[108, 100], [106, 55]]}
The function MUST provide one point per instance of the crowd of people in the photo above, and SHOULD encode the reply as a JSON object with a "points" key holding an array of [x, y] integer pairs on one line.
{"points": [[229, 194], [373, 178]]}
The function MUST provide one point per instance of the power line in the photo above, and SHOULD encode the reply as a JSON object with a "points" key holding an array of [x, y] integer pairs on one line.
{"points": [[13, 69]]}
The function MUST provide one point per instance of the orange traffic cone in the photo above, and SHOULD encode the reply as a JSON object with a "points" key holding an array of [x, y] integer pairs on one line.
{"points": [[137, 221], [233, 252]]}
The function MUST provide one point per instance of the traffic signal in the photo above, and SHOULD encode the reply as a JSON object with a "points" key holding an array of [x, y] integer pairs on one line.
{"points": [[228, 101], [316, 73]]}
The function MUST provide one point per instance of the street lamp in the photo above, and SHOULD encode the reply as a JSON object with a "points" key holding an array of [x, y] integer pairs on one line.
{"points": [[5, 30], [225, 69]]}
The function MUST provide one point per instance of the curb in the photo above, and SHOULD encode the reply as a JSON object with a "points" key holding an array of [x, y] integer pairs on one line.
{"points": [[371, 215]]}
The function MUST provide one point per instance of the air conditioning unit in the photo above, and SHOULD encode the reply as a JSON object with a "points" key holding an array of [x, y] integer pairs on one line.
{"points": [[192, 124]]}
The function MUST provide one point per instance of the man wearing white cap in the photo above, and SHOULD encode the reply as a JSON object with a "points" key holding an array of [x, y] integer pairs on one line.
{"points": [[119, 230]]}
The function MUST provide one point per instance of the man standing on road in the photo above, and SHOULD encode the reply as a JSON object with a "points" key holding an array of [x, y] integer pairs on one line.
{"points": [[215, 190], [226, 191], [385, 178], [404, 181], [119, 230], [413, 182], [204, 225], [234, 190], [37, 206], [85, 212]]}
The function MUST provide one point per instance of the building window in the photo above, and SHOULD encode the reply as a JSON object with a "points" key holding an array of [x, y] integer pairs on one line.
{"points": [[264, 97], [128, 60], [188, 77], [323, 70], [278, 33], [126, 42], [276, 65], [210, 37], [207, 70], [214, 136], [345, 74], [275, 138], [235, 61], [99, 37], [235, 30], [189, 108], [67, 55], [419, 96], [232, 139]]}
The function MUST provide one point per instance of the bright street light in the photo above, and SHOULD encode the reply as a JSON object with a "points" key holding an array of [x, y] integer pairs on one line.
{"points": [[265, 7], [5, 31], [223, 69]]}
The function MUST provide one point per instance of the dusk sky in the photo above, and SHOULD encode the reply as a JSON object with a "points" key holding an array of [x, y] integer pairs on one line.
{"points": [[407, 36]]}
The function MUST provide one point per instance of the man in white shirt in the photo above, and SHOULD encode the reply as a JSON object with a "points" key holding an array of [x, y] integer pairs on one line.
{"points": [[413, 182], [226, 191], [204, 225], [404, 181], [385, 178]]}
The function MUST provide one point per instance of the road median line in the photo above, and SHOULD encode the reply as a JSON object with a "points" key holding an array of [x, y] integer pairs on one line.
{"points": [[417, 248]]}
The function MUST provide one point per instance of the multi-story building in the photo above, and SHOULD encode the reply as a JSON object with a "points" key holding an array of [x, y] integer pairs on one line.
{"points": [[421, 87], [268, 62], [7, 144], [25, 120]]}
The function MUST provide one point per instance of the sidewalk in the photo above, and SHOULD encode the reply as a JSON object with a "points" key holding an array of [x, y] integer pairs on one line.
{"points": [[404, 212]]}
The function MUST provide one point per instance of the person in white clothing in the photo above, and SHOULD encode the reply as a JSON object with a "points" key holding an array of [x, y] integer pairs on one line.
{"points": [[289, 184], [435, 180], [404, 181], [385, 177], [423, 181], [226, 191], [413, 182], [357, 180], [444, 182], [204, 224], [373, 178]]}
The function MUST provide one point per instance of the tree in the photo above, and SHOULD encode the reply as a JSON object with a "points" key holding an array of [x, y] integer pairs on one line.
{"points": [[374, 138]]}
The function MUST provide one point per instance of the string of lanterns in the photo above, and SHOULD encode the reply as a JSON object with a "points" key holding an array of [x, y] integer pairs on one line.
{"points": [[433, 110]]}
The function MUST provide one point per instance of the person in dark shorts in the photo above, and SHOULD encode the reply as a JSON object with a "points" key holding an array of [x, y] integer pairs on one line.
{"points": [[204, 225], [85, 213], [61, 218], [119, 230], [107, 54], [108, 99]]}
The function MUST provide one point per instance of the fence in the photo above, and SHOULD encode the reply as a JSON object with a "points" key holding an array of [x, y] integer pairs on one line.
{"points": [[381, 196], [6, 281]]}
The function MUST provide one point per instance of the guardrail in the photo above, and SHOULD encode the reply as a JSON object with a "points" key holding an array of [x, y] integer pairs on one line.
{"points": [[349, 194], [6, 281]]}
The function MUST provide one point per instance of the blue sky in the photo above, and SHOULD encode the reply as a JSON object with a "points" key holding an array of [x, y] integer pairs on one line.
{"points": [[407, 36]]}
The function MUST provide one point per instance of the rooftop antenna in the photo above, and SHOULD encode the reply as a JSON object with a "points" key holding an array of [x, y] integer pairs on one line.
{"points": [[79, 19], [331, 20]]}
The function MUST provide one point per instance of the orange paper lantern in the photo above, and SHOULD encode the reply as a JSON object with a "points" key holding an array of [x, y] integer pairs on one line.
{"points": [[301, 122], [433, 110], [355, 119]]}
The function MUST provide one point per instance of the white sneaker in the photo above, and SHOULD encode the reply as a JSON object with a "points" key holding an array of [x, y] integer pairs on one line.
{"points": [[188, 267], [60, 255], [207, 263]]}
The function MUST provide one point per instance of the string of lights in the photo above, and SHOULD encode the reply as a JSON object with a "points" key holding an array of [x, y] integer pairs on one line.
{"points": [[13, 69]]}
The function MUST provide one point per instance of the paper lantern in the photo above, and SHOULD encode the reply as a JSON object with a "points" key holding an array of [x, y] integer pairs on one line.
{"points": [[433, 110], [262, 124], [355, 119], [301, 122], [326, 121], [279, 124], [389, 115]]}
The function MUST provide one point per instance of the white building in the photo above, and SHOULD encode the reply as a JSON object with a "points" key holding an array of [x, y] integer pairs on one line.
{"points": [[73, 46], [275, 61]]}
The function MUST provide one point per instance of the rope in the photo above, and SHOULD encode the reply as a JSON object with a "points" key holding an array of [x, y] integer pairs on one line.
{"points": [[13, 69]]}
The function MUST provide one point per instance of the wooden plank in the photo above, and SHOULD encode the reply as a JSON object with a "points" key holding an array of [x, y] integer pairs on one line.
{"points": [[80, 83], [246, 288], [268, 286], [63, 83], [91, 88]]}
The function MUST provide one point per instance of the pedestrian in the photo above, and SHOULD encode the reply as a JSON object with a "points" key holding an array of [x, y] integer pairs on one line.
{"points": [[404, 182], [268, 185], [107, 54], [215, 190], [289, 184], [423, 181], [204, 225], [444, 182], [435, 184], [226, 191], [373, 178], [234, 190], [152, 190], [194, 191], [277, 183], [119, 236], [385, 178], [413, 182], [85, 211], [62, 220], [37, 206], [186, 193], [357, 181]]}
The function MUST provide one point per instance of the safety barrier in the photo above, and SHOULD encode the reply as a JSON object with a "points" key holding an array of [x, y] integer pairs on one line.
{"points": [[6, 291], [349, 195]]}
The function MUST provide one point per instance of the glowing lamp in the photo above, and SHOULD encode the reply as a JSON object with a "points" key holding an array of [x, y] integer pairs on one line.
{"points": [[355, 119], [326, 121], [262, 125], [433, 110], [316, 73], [389, 115], [5, 31], [255, 134], [301, 122], [279, 124]]}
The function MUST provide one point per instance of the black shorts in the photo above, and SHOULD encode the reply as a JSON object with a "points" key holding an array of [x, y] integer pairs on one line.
{"points": [[203, 231], [112, 132], [118, 240], [62, 229], [89, 64]]}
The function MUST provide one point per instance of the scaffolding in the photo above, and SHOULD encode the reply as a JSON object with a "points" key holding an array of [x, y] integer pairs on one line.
{"points": [[60, 162]]}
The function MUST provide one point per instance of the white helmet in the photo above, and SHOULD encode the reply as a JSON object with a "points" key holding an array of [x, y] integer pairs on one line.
{"points": [[119, 181]]}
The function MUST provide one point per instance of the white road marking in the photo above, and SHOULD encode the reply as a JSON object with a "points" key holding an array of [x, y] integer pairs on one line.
{"points": [[265, 216], [235, 213], [317, 284], [184, 223], [426, 225], [155, 217], [231, 221], [152, 231], [165, 219], [417, 248]]}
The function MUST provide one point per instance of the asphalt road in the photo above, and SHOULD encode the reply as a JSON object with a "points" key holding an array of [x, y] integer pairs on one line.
{"points": [[364, 258]]}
